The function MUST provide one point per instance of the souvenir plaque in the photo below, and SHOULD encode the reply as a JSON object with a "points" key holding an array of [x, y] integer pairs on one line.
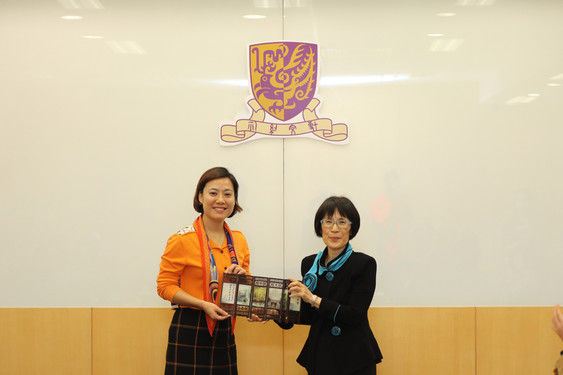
{"points": [[266, 297]]}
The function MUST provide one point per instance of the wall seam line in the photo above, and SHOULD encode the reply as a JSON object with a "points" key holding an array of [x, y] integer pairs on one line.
{"points": [[475, 338], [91, 340], [283, 199]]}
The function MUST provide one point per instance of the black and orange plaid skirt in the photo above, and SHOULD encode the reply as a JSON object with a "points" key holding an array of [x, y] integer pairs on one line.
{"points": [[191, 350]]}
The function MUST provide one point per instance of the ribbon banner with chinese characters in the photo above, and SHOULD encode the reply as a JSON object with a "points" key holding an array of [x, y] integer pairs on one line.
{"points": [[283, 77]]}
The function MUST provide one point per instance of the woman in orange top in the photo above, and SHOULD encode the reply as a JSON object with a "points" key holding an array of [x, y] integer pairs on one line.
{"points": [[201, 339]]}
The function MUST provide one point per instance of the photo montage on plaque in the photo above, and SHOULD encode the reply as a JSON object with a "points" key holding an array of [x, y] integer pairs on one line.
{"points": [[266, 297]]}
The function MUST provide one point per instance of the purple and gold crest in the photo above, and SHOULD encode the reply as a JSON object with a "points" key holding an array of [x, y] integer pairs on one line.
{"points": [[283, 77], [283, 80]]}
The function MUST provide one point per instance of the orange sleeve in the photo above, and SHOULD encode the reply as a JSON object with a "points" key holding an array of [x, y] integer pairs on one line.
{"points": [[243, 251], [172, 265]]}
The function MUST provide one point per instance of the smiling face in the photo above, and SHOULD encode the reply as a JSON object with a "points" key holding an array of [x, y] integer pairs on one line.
{"points": [[218, 199], [334, 237]]}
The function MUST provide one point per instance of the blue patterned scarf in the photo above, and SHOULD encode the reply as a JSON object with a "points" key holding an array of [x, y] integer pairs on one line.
{"points": [[310, 278]]}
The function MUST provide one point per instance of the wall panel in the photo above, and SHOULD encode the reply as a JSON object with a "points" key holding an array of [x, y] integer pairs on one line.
{"points": [[293, 341], [259, 347], [45, 341], [515, 341], [425, 340], [453, 157], [421, 341], [129, 341]]}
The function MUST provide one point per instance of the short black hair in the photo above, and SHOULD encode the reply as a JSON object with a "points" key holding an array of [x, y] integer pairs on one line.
{"points": [[213, 174], [345, 207]]}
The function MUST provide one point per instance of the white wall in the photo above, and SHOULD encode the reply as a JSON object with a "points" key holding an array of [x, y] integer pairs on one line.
{"points": [[100, 151]]}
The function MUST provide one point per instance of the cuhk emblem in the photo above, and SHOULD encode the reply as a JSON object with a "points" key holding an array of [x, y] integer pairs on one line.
{"points": [[283, 81], [283, 77]]}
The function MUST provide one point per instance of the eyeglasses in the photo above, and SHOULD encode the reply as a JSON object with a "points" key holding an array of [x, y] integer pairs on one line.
{"points": [[342, 224]]}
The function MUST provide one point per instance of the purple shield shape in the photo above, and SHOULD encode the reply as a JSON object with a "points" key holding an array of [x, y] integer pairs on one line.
{"points": [[283, 76]]}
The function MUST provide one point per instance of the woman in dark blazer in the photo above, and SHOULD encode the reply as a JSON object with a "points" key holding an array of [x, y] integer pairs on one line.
{"points": [[337, 289]]}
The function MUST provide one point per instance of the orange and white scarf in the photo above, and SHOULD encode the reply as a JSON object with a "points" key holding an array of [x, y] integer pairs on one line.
{"points": [[209, 268]]}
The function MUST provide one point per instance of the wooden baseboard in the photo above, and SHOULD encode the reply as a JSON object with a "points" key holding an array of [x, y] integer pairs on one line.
{"points": [[414, 340]]}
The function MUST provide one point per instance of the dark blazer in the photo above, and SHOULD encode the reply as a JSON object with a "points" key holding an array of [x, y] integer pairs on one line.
{"points": [[340, 339]]}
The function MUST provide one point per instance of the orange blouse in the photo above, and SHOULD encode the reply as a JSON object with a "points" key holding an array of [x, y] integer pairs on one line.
{"points": [[180, 266]]}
